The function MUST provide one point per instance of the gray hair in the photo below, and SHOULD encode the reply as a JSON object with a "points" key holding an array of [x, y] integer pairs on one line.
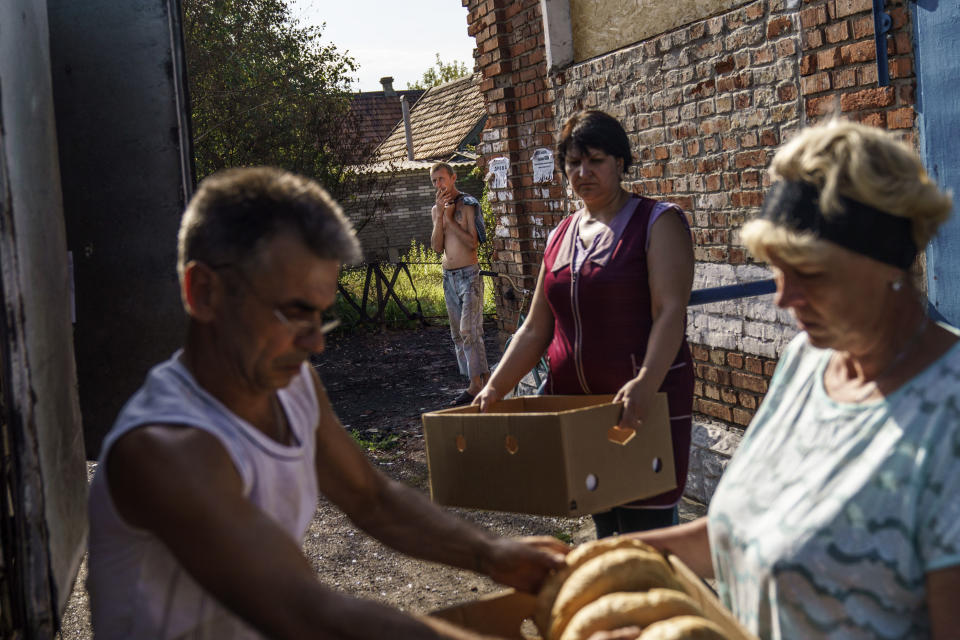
{"points": [[235, 211]]}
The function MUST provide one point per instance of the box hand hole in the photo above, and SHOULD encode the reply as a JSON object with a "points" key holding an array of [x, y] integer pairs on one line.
{"points": [[592, 482], [511, 445], [461, 444], [619, 435], [657, 465]]}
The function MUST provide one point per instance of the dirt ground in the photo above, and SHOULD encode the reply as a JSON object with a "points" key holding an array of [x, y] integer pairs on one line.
{"points": [[380, 383]]}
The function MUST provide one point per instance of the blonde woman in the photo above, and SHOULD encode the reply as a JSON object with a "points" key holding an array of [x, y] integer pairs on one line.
{"points": [[839, 516]]}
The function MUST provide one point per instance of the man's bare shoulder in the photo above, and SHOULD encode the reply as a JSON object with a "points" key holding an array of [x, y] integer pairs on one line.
{"points": [[151, 468]]}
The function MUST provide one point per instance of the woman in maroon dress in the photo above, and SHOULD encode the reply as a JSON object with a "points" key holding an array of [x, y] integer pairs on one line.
{"points": [[610, 305]]}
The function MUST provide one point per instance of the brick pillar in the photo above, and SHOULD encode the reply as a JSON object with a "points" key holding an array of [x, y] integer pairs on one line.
{"points": [[511, 56]]}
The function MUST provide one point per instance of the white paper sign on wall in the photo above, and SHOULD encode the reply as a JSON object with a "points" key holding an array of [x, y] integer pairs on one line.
{"points": [[499, 168], [543, 165]]}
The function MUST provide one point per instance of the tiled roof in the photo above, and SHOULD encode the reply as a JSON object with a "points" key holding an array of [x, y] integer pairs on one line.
{"points": [[446, 118], [377, 114]]}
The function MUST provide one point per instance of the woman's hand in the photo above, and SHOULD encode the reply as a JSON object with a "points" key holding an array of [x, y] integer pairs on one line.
{"points": [[636, 396], [487, 396]]}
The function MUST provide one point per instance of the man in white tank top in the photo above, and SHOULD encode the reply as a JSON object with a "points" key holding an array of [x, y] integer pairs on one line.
{"points": [[210, 476]]}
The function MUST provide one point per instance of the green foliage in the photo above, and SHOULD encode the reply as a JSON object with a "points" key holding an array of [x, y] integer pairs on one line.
{"points": [[266, 91], [564, 537], [427, 287], [377, 442], [439, 73], [485, 250]]}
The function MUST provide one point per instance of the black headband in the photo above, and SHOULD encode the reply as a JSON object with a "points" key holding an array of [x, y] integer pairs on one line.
{"points": [[858, 227]]}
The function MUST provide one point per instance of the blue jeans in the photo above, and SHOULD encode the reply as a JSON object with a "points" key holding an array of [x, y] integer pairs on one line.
{"points": [[463, 292]]}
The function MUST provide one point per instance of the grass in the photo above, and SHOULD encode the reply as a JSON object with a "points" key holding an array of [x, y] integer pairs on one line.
{"points": [[564, 537], [426, 287], [376, 443]]}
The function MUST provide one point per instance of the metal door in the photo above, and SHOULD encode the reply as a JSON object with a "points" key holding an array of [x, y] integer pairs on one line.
{"points": [[936, 43]]}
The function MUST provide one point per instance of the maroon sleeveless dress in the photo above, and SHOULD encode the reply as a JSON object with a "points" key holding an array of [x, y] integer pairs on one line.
{"points": [[602, 320]]}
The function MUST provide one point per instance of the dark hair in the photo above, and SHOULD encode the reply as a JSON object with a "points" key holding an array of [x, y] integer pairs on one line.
{"points": [[596, 130], [236, 210]]}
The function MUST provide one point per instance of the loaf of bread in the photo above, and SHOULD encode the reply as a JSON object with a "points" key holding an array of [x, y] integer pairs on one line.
{"points": [[587, 551], [617, 570], [683, 628], [638, 608]]}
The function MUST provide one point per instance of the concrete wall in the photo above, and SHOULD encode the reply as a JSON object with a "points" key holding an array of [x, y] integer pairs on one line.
{"points": [[43, 471], [602, 26]]}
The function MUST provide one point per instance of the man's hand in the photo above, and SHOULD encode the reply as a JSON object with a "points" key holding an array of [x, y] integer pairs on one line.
{"points": [[523, 563]]}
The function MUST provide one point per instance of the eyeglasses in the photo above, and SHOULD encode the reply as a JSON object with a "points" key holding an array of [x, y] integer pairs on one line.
{"points": [[300, 320]]}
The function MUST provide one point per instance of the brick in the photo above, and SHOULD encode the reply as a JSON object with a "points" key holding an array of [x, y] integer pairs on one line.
{"points": [[748, 382], [764, 55], [836, 32], [747, 400], [778, 26], [808, 64], [846, 8], [813, 16], [786, 48], [753, 365], [735, 360], [724, 66], [876, 119], [769, 367], [867, 99], [828, 58], [728, 396], [699, 352], [711, 391], [811, 39], [901, 68], [787, 92], [858, 52], [862, 27], [742, 417], [717, 356], [844, 78], [713, 409], [816, 83]]}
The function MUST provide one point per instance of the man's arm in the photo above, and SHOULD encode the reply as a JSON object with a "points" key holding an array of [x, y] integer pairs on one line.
{"points": [[180, 484], [406, 520]]}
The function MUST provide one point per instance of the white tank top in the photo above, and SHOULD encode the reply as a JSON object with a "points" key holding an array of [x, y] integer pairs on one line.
{"points": [[137, 588]]}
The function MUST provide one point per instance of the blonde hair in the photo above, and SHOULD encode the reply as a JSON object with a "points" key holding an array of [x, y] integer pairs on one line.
{"points": [[859, 162]]}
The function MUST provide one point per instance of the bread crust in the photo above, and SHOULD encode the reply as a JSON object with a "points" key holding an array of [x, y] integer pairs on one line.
{"points": [[576, 557], [683, 628], [617, 570], [616, 610]]}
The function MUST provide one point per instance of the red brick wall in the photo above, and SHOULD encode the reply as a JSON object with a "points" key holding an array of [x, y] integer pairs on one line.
{"points": [[839, 66], [511, 56], [706, 106]]}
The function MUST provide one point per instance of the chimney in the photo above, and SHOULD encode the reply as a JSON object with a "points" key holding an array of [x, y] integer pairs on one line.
{"points": [[406, 125], [387, 83]]}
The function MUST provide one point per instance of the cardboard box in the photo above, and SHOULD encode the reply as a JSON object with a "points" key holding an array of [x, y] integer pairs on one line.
{"points": [[507, 614], [547, 455]]}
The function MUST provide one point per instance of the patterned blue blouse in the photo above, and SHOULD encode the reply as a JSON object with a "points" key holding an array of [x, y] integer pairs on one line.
{"points": [[830, 514]]}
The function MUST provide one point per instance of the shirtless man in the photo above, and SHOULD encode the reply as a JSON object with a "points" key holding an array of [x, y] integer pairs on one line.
{"points": [[455, 235]]}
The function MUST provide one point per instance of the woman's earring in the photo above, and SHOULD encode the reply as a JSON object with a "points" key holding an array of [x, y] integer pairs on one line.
{"points": [[896, 285]]}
